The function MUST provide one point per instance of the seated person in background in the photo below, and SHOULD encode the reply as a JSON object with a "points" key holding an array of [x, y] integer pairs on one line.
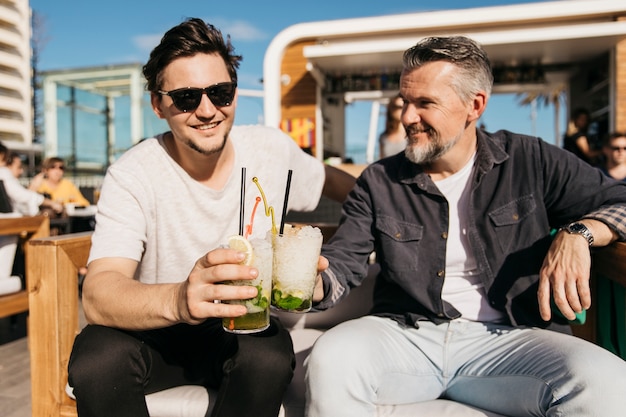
{"points": [[8, 248], [23, 202], [577, 138], [614, 150], [393, 139], [50, 182], [155, 267], [460, 224], [14, 163]]}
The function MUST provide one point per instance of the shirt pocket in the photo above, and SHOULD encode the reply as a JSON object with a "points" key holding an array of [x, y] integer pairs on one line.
{"points": [[399, 243], [508, 221]]}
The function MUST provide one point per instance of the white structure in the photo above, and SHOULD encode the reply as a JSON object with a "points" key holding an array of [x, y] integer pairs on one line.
{"points": [[109, 82], [15, 76], [578, 43]]}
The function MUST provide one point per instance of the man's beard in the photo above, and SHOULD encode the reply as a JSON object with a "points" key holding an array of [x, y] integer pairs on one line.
{"points": [[425, 154], [208, 152]]}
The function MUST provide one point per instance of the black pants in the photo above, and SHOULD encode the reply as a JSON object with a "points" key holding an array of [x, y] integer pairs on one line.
{"points": [[112, 370]]}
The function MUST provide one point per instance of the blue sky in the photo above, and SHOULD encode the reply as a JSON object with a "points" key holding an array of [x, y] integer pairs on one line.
{"points": [[81, 33]]}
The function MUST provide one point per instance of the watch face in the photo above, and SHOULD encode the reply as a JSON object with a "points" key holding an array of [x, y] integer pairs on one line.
{"points": [[577, 227]]}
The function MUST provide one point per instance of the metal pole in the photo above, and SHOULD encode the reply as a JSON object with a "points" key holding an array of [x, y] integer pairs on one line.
{"points": [[73, 127]]}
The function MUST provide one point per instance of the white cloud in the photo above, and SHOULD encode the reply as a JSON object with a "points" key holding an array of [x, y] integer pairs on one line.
{"points": [[239, 30], [146, 42]]}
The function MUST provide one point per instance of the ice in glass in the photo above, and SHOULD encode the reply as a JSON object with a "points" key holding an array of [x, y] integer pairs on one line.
{"points": [[296, 255]]}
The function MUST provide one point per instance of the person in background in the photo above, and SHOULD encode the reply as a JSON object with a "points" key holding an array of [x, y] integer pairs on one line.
{"points": [[23, 202], [393, 139], [50, 182], [577, 140], [8, 244], [14, 163], [156, 272], [461, 227], [614, 150]]}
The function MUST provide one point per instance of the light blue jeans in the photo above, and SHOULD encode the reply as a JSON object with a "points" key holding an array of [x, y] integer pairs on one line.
{"points": [[361, 363]]}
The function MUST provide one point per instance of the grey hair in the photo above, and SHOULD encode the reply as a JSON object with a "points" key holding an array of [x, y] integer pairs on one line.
{"points": [[475, 73]]}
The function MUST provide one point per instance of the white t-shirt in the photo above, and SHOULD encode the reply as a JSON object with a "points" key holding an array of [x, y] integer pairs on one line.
{"points": [[463, 287], [152, 211], [23, 200]]}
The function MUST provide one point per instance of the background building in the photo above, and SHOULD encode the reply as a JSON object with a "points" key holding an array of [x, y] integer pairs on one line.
{"points": [[16, 97]]}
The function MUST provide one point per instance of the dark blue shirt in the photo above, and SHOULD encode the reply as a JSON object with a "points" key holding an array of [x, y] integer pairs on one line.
{"points": [[521, 188]]}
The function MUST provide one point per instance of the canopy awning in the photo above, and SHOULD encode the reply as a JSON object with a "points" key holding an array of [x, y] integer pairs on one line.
{"points": [[562, 45]]}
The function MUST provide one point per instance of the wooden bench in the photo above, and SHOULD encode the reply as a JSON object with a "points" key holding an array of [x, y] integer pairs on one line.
{"points": [[27, 228], [54, 308]]}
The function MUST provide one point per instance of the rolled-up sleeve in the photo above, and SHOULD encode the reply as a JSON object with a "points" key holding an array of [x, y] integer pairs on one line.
{"points": [[614, 216]]}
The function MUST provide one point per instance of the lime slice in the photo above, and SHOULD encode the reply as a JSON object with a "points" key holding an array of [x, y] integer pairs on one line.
{"points": [[241, 244]]}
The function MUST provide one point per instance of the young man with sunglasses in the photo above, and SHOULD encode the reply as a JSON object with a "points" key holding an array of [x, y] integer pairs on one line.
{"points": [[156, 273]]}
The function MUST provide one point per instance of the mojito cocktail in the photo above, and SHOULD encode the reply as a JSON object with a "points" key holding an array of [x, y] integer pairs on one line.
{"points": [[296, 255], [258, 316]]}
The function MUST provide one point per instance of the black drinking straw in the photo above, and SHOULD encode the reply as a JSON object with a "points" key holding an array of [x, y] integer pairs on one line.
{"points": [[242, 199], [282, 219]]}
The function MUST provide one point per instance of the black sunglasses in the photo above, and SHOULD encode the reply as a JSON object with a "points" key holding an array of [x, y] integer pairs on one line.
{"points": [[189, 98]]}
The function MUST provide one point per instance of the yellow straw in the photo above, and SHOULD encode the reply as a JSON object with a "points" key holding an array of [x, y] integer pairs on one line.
{"points": [[269, 210]]}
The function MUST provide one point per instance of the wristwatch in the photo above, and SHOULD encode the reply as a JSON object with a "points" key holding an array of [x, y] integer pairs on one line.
{"points": [[579, 229]]}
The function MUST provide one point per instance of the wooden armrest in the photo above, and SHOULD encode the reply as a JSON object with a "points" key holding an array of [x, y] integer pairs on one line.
{"points": [[29, 227], [53, 297], [610, 262], [11, 304], [36, 226]]}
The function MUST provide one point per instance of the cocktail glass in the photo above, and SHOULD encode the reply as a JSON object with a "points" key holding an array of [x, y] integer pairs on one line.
{"points": [[296, 255], [258, 316]]}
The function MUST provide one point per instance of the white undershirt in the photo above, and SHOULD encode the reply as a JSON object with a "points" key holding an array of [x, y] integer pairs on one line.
{"points": [[462, 286]]}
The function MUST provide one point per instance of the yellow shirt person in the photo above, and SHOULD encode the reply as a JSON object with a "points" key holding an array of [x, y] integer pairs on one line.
{"points": [[51, 182]]}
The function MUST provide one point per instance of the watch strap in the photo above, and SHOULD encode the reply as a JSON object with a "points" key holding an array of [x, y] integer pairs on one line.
{"points": [[579, 229]]}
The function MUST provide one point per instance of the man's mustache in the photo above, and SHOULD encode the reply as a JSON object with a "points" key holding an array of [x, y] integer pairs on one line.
{"points": [[416, 129]]}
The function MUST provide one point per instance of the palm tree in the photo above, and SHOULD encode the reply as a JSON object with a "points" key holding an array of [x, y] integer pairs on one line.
{"points": [[552, 96]]}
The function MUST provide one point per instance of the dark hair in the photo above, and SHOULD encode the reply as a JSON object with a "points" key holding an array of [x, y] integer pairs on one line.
{"points": [[580, 111], [4, 152], [12, 156], [471, 59], [51, 161], [189, 38], [613, 135]]}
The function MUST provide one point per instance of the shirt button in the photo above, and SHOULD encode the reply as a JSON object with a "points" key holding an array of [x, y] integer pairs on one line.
{"points": [[516, 217], [439, 314], [444, 235], [440, 273], [398, 235]]}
